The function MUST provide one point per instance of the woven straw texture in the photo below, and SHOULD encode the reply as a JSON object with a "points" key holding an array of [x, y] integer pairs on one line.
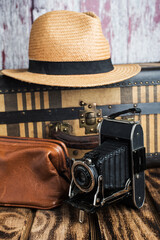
{"points": [[67, 36], [61, 36]]}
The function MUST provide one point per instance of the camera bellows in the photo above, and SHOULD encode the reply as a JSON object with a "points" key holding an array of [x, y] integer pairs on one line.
{"points": [[112, 160]]}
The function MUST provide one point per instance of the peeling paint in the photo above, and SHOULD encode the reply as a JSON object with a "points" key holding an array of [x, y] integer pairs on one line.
{"points": [[129, 29], [3, 59], [132, 27], [21, 18], [106, 20], [90, 5], [5, 26], [157, 12]]}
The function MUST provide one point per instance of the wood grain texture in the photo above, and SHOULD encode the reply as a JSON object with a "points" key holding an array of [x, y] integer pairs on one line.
{"points": [[131, 26], [121, 222], [143, 30], [42, 6], [115, 221], [60, 223], [15, 223], [153, 186], [15, 24]]}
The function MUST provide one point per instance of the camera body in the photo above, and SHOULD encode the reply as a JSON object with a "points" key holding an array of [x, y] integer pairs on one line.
{"points": [[112, 171]]}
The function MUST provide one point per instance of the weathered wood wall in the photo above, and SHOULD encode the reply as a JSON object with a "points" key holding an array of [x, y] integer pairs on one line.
{"points": [[131, 26]]}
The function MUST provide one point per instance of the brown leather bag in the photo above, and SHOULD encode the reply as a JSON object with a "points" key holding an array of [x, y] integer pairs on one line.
{"points": [[33, 172]]}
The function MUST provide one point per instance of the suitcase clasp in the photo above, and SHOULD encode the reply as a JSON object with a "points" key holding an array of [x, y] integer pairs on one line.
{"points": [[59, 126], [89, 117]]}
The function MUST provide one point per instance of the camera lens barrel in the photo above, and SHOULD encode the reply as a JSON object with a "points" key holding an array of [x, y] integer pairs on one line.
{"points": [[84, 176]]}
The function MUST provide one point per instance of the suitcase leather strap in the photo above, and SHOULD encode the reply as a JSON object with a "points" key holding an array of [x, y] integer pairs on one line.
{"points": [[60, 114]]}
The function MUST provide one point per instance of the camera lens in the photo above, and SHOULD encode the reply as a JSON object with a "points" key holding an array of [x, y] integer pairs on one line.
{"points": [[82, 176]]}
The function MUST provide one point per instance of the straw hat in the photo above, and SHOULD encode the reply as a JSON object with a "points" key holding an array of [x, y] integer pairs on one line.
{"points": [[68, 49]]}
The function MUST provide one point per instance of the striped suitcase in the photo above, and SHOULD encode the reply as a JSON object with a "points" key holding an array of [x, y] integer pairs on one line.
{"points": [[31, 110]]}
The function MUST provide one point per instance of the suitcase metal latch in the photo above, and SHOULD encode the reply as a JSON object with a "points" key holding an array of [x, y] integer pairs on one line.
{"points": [[89, 117], [59, 126]]}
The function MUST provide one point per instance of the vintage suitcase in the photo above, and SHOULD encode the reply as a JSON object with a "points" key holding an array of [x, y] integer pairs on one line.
{"points": [[29, 110], [141, 91]]}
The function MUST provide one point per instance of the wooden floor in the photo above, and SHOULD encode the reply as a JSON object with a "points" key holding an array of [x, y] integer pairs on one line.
{"points": [[114, 222]]}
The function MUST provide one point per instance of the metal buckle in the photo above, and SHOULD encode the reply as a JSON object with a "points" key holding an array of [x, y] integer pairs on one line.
{"points": [[59, 126], [90, 117]]}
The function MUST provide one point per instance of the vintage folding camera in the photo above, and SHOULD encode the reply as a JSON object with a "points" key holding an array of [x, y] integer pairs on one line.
{"points": [[112, 171]]}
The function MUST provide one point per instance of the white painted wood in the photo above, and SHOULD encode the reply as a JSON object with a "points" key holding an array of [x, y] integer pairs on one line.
{"points": [[42, 6], [15, 24], [131, 26], [118, 31], [144, 31]]}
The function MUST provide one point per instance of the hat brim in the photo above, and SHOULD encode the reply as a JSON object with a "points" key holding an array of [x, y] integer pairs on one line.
{"points": [[121, 72]]}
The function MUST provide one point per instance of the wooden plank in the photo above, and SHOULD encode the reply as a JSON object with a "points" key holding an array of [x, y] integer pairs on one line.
{"points": [[15, 25], [153, 186], [59, 223], [129, 25], [143, 30], [90, 5], [122, 222], [40, 7], [15, 223], [132, 27], [119, 31]]}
